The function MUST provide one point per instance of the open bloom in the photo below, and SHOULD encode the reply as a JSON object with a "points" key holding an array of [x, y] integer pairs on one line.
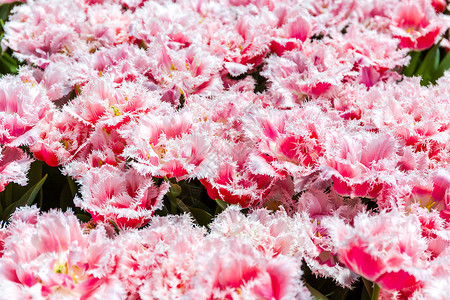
{"points": [[416, 24], [387, 249], [358, 168], [297, 75], [14, 165], [50, 256], [22, 106], [235, 182], [124, 197], [170, 145]]}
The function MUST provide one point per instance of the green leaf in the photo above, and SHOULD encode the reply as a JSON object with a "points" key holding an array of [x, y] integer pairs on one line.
{"points": [[195, 202], [175, 189], [368, 285], [315, 293], [116, 228], [27, 199], [73, 186], [41, 198], [8, 194], [163, 211], [29, 196], [5, 68], [183, 206], [83, 218], [8, 65], [5, 9], [222, 204], [191, 189], [429, 66], [443, 66], [413, 63], [202, 217], [65, 198], [35, 173], [365, 295], [339, 294]]}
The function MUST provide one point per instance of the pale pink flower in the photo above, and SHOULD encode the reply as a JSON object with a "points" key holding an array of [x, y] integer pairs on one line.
{"points": [[244, 42], [105, 25], [172, 258], [105, 146], [277, 234], [332, 14], [289, 142], [161, 254], [104, 101], [123, 197], [122, 63], [184, 71], [298, 75], [238, 272], [36, 37], [14, 166], [416, 116], [91, 121], [182, 22], [245, 275], [22, 106], [270, 234], [54, 79], [52, 255], [434, 229], [374, 55], [11, 1], [415, 189], [171, 145], [437, 285]]}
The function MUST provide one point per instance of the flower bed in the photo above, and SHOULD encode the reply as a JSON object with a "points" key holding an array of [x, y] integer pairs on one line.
{"points": [[228, 149]]}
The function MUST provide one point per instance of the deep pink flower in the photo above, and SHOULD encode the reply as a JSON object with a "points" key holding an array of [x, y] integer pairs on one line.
{"points": [[389, 252], [289, 142], [439, 5], [293, 27], [416, 25], [60, 139], [358, 164]]}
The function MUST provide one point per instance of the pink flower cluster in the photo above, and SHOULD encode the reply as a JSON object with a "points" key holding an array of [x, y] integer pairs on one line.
{"points": [[293, 104], [52, 256], [257, 256], [404, 254]]}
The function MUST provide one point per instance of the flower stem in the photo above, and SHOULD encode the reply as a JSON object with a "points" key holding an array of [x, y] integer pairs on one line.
{"points": [[375, 292]]}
